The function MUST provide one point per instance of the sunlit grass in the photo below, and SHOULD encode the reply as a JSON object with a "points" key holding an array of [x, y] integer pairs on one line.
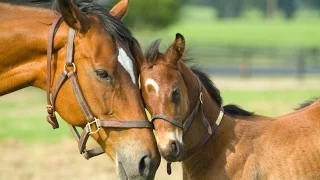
{"points": [[22, 113], [201, 27], [269, 102], [23, 117]]}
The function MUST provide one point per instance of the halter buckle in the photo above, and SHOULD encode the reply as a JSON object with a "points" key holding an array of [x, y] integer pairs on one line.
{"points": [[96, 122], [50, 109], [73, 65]]}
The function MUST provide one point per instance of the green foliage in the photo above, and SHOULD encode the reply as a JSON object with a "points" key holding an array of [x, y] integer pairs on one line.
{"points": [[228, 8], [289, 7], [235, 8], [152, 14], [314, 4], [201, 28]]}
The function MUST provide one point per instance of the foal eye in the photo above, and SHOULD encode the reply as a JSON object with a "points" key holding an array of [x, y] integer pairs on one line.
{"points": [[103, 74], [176, 95]]}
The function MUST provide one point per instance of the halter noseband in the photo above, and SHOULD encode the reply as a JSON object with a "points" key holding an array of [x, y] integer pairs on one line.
{"points": [[91, 119], [185, 126]]}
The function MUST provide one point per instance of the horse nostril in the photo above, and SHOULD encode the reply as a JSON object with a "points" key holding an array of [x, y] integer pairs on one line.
{"points": [[144, 166], [175, 149]]}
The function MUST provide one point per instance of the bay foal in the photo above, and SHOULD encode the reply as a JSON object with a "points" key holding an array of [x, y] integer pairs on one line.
{"points": [[223, 142]]}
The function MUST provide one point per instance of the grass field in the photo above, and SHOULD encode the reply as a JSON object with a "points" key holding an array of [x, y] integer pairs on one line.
{"points": [[200, 26], [30, 148], [23, 113]]}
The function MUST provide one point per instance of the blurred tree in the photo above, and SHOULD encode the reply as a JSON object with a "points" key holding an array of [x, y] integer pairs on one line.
{"points": [[234, 8], [289, 7], [198, 2], [152, 14], [270, 7], [228, 8], [315, 4]]}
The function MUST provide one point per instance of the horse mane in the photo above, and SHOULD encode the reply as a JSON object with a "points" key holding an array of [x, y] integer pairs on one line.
{"points": [[214, 92], [46, 4], [307, 103], [152, 52], [208, 84], [112, 25]]}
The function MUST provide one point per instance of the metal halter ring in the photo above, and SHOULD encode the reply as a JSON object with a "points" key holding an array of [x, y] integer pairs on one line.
{"points": [[74, 67], [97, 125], [201, 96]]}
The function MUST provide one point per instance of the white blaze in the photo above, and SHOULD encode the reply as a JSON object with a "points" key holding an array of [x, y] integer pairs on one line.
{"points": [[153, 83], [126, 62]]}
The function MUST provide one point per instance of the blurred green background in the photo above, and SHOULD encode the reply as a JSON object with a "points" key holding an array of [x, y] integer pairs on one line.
{"points": [[262, 55], [235, 37]]}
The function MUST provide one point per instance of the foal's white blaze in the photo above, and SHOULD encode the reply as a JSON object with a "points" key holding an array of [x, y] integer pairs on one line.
{"points": [[126, 62], [154, 84]]}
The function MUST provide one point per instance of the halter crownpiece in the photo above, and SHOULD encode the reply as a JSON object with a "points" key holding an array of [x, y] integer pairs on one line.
{"points": [[92, 121], [185, 126]]}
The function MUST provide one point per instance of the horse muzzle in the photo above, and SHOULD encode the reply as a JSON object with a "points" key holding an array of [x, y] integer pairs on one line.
{"points": [[143, 167]]}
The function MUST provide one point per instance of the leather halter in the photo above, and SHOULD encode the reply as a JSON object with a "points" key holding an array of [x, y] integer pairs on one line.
{"points": [[92, 121], [185, 126]]}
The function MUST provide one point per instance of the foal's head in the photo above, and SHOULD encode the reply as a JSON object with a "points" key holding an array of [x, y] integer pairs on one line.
{"points": [[165, 91]]}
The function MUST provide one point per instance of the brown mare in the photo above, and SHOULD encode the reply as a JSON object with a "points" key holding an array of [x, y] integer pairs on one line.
{"points": [[237, 144], [91, 73]]}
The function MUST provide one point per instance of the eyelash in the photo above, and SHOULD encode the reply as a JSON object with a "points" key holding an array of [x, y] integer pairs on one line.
{"points": [[103, 74], [176, 95]]}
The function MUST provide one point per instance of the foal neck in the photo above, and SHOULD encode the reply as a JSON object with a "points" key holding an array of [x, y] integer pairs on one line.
{"points": [[198, 163], [23, 42], [209, 109]]}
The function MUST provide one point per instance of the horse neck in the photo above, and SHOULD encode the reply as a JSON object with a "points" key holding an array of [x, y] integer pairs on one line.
{"points": [[210, 109], [200, 161], [23, 42]]}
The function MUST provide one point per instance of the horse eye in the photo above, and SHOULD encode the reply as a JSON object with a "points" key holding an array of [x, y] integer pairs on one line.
{"points": [[176, 95], [103, 74]]}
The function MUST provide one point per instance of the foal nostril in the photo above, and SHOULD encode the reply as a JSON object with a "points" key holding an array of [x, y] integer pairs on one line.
{"points": [[144, 166], [175, 149]]}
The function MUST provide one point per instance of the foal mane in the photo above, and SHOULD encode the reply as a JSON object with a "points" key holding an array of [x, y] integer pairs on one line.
{"points": [[230, 109], [112, 25], [152, 54], [307, 103]]}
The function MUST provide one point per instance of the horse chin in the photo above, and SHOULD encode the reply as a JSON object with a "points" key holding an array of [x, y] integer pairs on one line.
{"points": [[169, 158], [122, 172]]}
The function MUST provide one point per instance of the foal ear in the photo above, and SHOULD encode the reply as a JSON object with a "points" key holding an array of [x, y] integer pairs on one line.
{"points": [[120, 9], [73, 16], [176, 50]]}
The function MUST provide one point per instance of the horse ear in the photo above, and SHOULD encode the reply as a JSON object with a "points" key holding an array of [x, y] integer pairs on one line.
{"points": [[73, 16], [176, 50], [120, 9]]}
